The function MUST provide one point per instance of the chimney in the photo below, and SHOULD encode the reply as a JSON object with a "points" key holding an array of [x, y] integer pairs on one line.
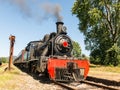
{"points": [[59, 26]]}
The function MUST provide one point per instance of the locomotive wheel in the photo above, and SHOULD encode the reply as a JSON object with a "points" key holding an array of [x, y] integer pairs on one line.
{"points": [[32, 67]]}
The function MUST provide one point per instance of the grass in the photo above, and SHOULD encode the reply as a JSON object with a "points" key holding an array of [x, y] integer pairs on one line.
{"points": [[105, 68], [7, 76]]}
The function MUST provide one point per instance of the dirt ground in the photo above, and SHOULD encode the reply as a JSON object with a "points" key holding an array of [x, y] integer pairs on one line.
{"points": [[18, 80], [105, 75]]}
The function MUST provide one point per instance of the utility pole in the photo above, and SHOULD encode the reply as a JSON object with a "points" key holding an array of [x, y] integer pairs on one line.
{"points": [[12, 40]]}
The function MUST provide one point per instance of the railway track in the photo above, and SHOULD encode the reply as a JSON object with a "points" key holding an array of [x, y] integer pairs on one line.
{"points": [[94, 85], [103, 81], [66, 86], [99, 85]]}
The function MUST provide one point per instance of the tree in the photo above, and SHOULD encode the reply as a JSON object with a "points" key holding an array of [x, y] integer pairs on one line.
{"points": [[76, 49], [4, 60], [100, 23]]}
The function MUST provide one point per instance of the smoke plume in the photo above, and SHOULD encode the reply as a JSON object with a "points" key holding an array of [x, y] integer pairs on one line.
{"points": [[37, 10], [52, 9], [22, 5]]}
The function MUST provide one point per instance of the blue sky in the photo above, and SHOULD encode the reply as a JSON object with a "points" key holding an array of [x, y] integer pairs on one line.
{"points": [[14, 21]]}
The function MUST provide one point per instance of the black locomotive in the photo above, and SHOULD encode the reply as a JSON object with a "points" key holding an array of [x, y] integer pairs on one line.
{"points": [[52, 56]]}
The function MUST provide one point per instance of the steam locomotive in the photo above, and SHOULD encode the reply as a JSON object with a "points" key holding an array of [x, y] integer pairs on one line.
{"points": [[52, 56]]}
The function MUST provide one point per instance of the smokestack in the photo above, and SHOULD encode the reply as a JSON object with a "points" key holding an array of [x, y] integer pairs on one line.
{"points": [[59, 26]]}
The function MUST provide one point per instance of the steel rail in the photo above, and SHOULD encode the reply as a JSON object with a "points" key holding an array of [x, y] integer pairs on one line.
{"points": [[99, 85], [65, 86]]}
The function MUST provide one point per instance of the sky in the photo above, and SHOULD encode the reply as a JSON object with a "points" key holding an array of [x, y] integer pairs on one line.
{"points": [[30, 20]]}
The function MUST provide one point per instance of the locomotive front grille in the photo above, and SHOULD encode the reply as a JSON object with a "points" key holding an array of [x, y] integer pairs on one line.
{"points": [[63, 74]]}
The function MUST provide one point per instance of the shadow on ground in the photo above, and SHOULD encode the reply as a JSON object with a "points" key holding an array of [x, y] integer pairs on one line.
{"points": [[41, 78]]}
